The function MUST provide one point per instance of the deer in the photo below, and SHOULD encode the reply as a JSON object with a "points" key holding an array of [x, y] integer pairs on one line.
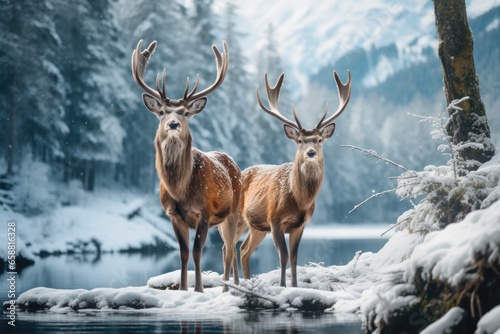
{"points": [[280, 199], [197, 189]]}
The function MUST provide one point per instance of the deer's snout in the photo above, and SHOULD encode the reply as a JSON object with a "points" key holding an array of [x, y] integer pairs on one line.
{"points": [[311, 153], [172, 125]]}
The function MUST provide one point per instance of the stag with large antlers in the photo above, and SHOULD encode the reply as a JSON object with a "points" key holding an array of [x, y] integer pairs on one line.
{"points": [[280, 199], [198, 189]]}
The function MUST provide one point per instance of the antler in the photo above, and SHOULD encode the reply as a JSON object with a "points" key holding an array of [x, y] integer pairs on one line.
{"points": [[344, 96], [222, 63], [139, 63], [140, 60], [273, 95]]}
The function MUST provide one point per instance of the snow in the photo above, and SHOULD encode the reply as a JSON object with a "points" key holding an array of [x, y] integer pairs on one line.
{"points": [[447, 254], [339, 231], [126, 299], [93, 225], [308, 26], [493, 25], [443, 255], [173, 279], [371, 284], [490, 322], [449, 320], [333, 289]]}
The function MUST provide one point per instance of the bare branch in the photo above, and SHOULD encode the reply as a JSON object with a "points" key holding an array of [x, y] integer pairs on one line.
{"points": [[393, 226], [376, 155], [379, 194]]}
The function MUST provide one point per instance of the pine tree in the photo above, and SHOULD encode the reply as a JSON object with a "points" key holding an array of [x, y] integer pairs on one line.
{"points": [[31, 85], [167, 23], [275, 147], [238, 94], [91, 53], [210, 131]]}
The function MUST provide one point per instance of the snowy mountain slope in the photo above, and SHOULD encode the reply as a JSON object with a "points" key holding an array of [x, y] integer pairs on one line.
{"points": [[314, 33]]}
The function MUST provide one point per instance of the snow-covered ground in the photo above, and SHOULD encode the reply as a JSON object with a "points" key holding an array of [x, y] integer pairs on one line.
{"points": [[372, 285], [361, 286], [102, 221]]}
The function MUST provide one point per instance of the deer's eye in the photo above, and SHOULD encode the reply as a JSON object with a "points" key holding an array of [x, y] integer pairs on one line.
{"points": [[161, 112], [299, 141], [186, 113], [320, 140]]}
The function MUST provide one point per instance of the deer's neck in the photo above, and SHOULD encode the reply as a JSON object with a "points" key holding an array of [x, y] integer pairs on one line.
{"points": [[174, 164], [305, 181]]}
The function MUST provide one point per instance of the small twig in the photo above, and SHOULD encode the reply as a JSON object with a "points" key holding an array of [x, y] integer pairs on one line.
{"points": [[376, 155], [393, 226], [379, 194]]}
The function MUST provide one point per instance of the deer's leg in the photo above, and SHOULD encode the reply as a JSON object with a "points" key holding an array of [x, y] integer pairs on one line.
{"points": [[295, 237], [199, 242], [280, 244], [181, 231], [252, 240], [227, 230]]}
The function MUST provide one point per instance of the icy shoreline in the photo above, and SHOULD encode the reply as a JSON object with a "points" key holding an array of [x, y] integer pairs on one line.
{"points": [[363, 287], [106, 221]]}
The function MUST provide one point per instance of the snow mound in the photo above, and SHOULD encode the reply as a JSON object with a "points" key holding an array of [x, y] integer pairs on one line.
{"points": [[490, 322], [448, 256], [320, 289], [104, 221], [128, 298], [447, 323], [172, 280]]}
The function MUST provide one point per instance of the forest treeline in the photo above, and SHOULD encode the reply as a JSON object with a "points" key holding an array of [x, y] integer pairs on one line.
{"points": [[70, 108]]}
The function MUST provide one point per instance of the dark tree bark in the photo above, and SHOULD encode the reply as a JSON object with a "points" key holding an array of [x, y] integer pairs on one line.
{"points": [[11, 138], [456, 43]]}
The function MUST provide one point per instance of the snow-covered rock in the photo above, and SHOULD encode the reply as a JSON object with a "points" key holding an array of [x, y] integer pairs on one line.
{"points": [[448, 257]]}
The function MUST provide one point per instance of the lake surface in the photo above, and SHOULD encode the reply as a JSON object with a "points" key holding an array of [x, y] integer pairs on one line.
{"points": [[119, 270]]}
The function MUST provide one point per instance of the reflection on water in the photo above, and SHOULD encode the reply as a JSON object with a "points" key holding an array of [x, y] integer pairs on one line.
{"points": [[161, 322], [119, 270]]}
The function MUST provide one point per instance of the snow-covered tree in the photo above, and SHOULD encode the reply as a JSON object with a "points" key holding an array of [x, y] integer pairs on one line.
{"points": [[89, 60], [275, 148], [31, 84], [237, 93], [467, 127]]}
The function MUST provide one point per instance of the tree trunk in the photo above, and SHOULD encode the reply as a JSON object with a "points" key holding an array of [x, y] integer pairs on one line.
{"points": [[470, 126], [11, 137]]}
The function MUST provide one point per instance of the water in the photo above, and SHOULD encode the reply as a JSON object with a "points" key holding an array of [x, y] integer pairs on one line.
{"points": [[119, 270]]}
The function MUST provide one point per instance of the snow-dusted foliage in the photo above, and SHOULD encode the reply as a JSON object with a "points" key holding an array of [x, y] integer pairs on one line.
{"points": [[447, 198], [33, 192], [72, 194], [449, 192]]}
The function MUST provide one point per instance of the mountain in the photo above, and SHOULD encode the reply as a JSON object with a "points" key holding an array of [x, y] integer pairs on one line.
{"points": [[314, 34]]}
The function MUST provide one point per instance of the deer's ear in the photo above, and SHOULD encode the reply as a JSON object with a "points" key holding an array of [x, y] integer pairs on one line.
{"points": [[328, 131], [151, 103], [197, 106], [291, 132]]}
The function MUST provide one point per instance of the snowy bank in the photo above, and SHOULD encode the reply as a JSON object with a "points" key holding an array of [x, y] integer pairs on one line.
{"points": [[334, 289], [103, 221], [454, 267], [257, 293]]}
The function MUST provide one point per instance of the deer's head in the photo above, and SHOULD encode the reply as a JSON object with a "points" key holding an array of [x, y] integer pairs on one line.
{"points": [[174, 114], [309, 141]]}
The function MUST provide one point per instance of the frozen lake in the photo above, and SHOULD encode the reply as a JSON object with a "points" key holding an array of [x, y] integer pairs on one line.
{"points": [[119, 270]]}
